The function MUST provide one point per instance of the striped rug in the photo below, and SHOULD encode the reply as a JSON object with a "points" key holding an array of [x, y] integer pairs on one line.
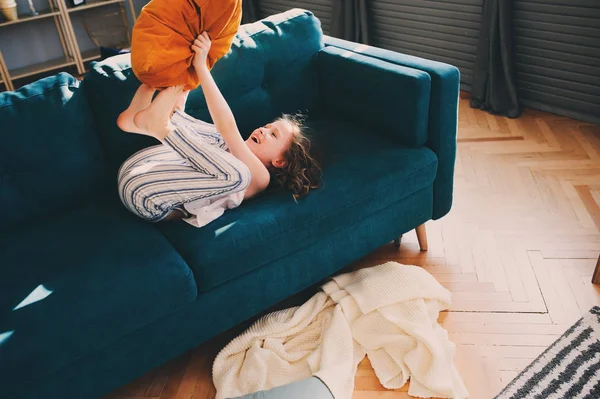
{"points": [[569, 368]]}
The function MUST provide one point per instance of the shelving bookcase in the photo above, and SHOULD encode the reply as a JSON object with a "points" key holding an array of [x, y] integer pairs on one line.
{"points": [[73, 57], [5, 83]]}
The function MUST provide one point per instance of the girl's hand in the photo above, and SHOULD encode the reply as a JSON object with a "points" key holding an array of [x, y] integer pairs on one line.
{"points": [[201, 46]]}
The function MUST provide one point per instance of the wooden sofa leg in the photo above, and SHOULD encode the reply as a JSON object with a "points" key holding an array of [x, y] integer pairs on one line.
{"points": [[596, 276], [397, 242], [422, 237]]}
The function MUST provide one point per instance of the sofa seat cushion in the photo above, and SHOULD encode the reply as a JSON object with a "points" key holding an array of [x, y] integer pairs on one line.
{"points": [[363, 173], [71, 285]]}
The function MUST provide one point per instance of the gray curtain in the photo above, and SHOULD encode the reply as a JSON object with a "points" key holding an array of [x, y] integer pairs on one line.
{"points": [[250, 11], [495, 75], [349, 20]]}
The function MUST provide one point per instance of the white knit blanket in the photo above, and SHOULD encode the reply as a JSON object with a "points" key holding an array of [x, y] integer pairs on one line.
{"points": [[387, 312]]}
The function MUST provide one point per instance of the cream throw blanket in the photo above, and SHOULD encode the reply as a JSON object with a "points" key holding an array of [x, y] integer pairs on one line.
{"points": [[388, 312]]}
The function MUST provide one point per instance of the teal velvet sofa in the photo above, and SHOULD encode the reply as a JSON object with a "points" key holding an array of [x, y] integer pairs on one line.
{"points": [[91, 296]]}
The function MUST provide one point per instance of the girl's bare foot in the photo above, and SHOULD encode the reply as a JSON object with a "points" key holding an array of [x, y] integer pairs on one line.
{"points": [[155, 120], [141, 100]]}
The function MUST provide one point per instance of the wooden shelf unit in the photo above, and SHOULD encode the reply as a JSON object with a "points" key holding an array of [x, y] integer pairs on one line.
{"points": [[90, 55], [73, 55], [29, 18], [42, 67], [93, 4], [4, 74]]}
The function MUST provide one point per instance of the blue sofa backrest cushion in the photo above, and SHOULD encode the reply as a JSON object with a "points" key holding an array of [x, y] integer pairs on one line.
{"points": [[50, 154], [270, 69]]}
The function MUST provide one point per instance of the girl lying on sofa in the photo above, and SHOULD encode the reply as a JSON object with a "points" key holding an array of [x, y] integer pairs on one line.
{"points": [[201, 170]]}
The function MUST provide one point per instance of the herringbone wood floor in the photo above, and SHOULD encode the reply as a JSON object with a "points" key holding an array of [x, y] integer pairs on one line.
{"points": [[517, 251]]}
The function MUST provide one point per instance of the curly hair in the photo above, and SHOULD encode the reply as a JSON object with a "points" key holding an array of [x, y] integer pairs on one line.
{"points": [[301, 172]]}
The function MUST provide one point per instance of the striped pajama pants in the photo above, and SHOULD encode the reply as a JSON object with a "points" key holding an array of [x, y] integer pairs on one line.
{"points": [[192, 163]]}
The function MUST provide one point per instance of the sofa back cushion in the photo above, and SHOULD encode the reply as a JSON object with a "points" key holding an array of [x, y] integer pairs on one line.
{"points": [[270, 69], [50, 154]]}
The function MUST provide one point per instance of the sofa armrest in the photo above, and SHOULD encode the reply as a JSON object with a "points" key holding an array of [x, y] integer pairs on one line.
{"points": [[443, 112], [388, 99]]}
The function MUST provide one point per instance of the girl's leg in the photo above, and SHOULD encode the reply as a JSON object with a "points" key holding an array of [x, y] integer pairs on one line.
{"points": [[176, 214], [184, 140], [207, 131], [181, 100], [153, 193], [141, 100], [154, 121], [186, 167]]}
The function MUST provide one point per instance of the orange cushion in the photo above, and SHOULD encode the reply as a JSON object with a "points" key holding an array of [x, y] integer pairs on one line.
{"points": [[161, 54]]}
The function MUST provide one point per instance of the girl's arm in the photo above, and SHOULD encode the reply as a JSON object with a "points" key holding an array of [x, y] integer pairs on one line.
{"points": [[223, 117]]}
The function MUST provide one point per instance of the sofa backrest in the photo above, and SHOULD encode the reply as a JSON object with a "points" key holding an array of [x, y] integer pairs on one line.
{"points": [[50, 154], [270, 69]]}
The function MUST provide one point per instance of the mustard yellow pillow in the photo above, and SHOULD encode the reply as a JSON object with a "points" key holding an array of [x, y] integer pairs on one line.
{"points": [[161, 54]]}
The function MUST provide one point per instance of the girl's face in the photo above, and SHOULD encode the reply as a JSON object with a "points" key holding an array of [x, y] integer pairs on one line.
{"points": [[270, 142]]}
